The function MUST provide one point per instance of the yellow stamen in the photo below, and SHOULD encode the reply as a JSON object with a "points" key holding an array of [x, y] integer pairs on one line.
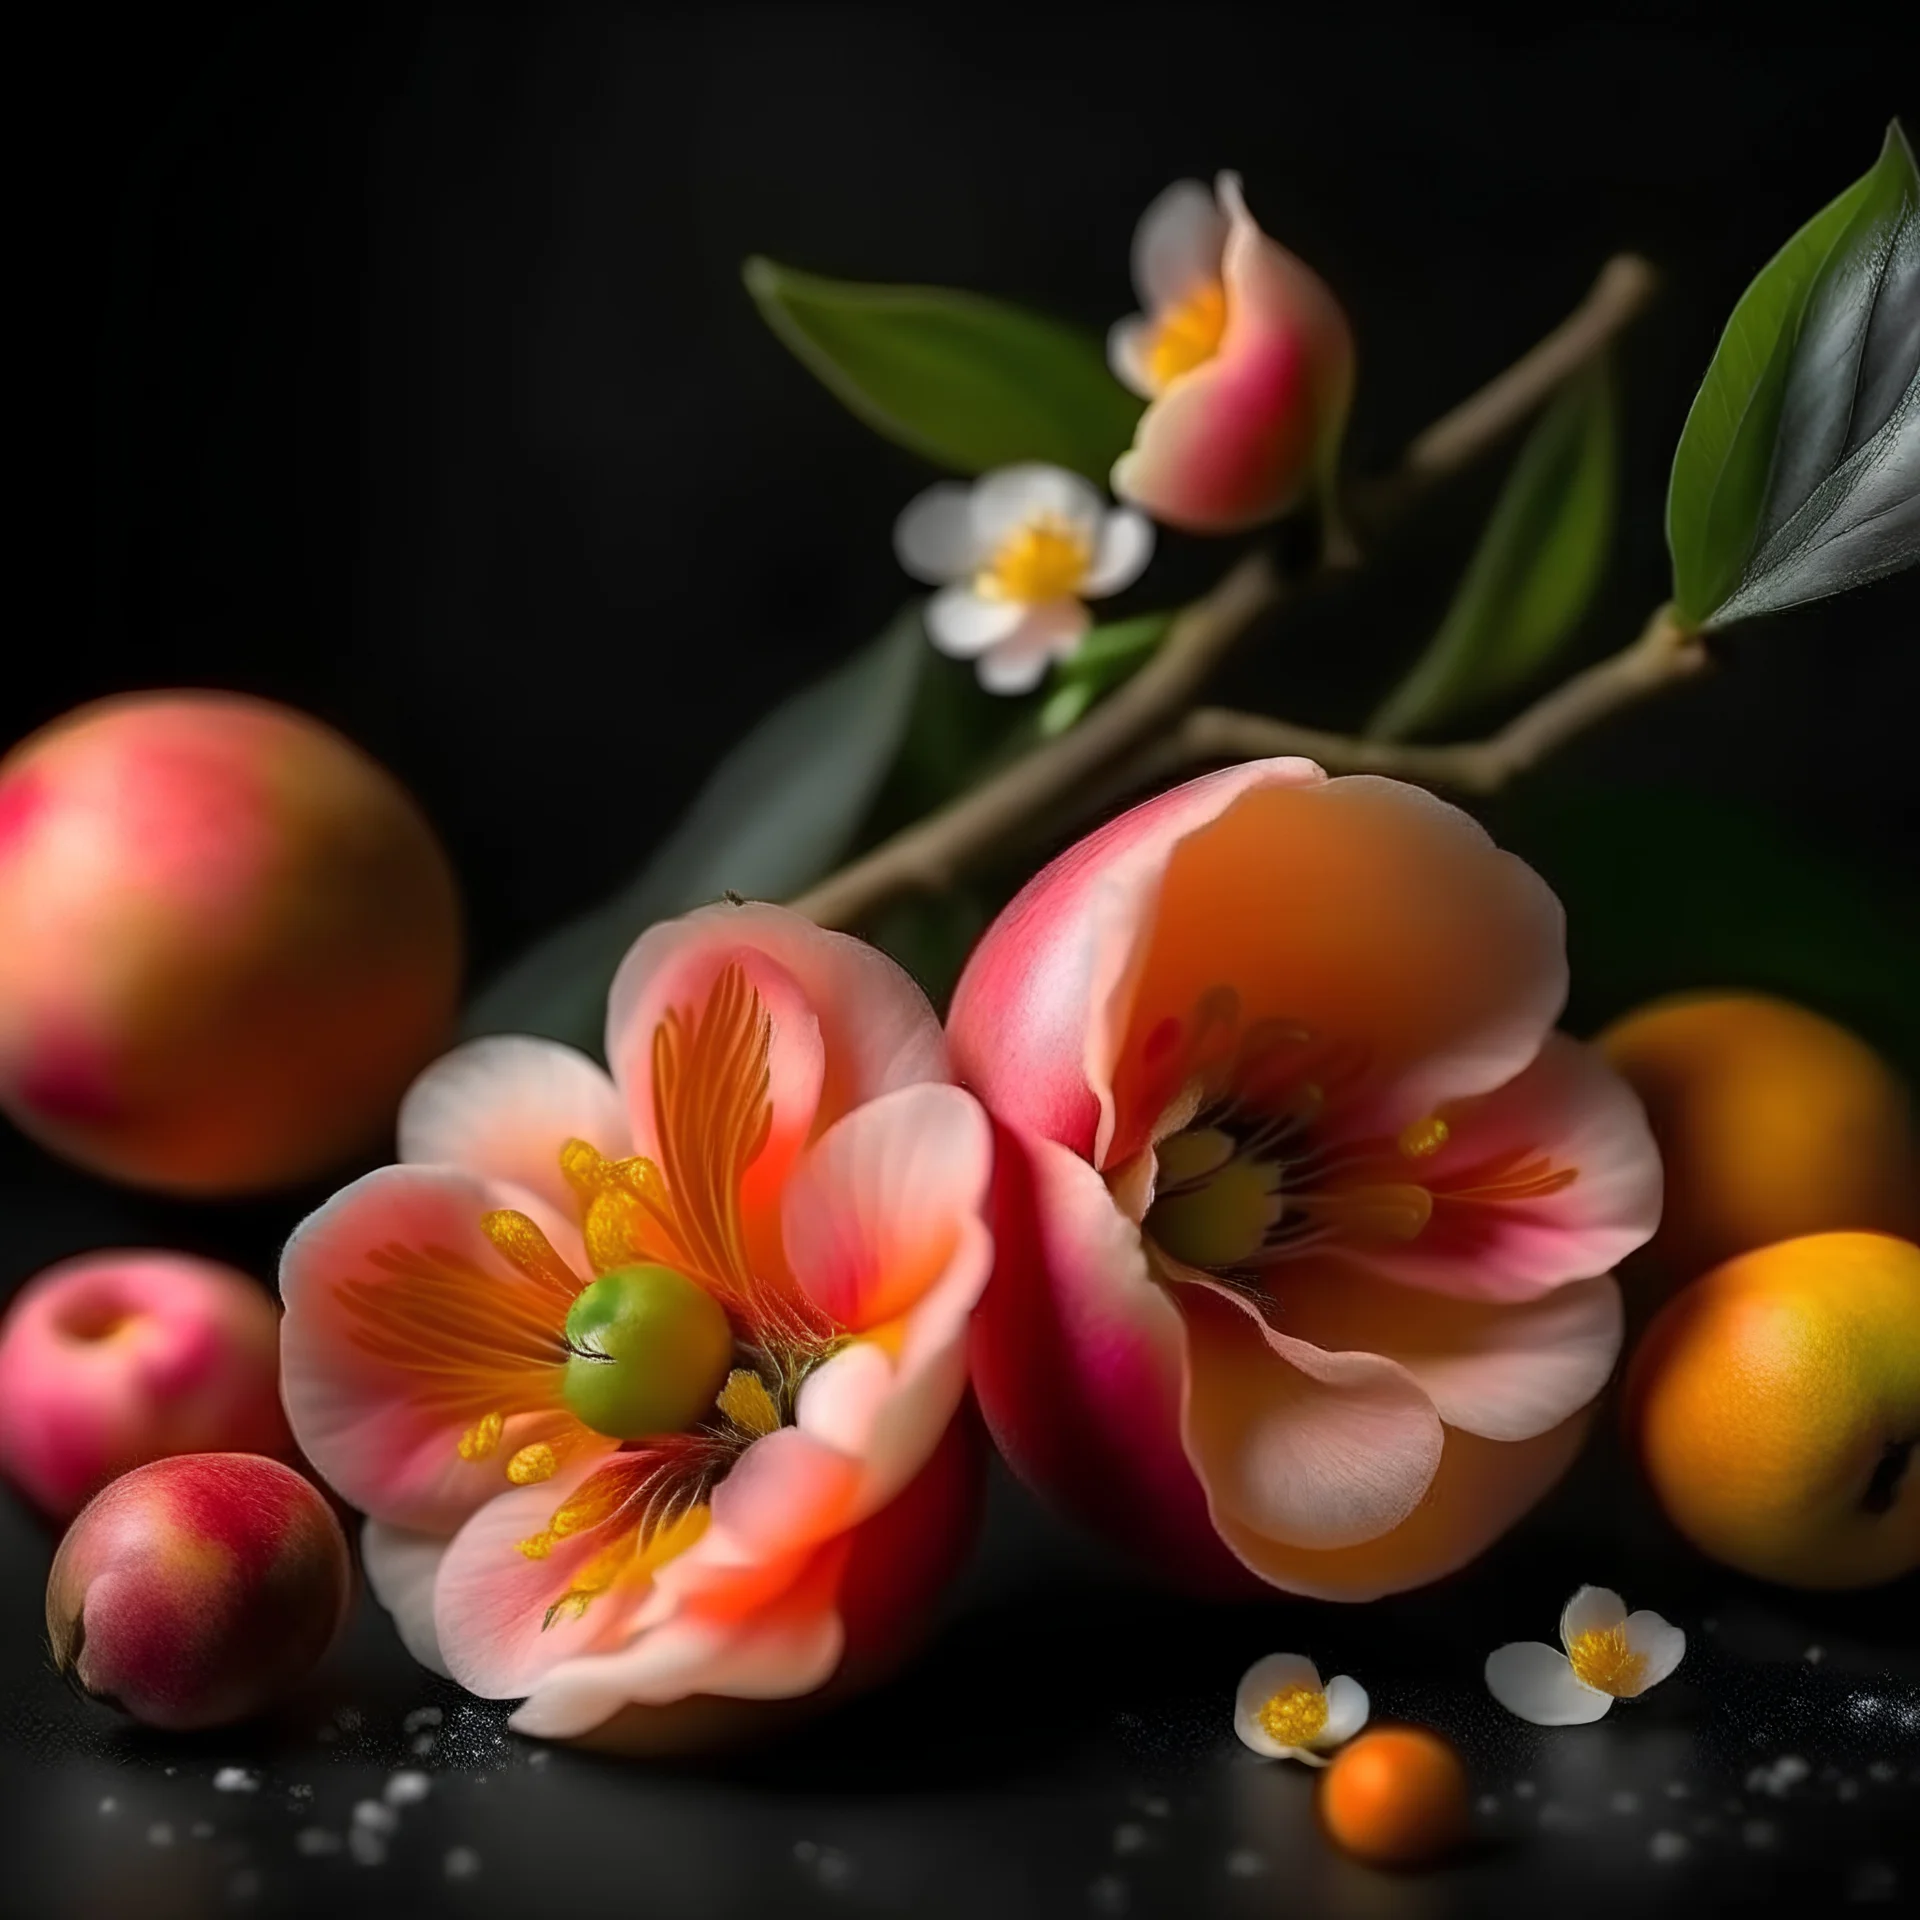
{"points": [[533, 1464], [1421, 1138], [1188, 335], [747, 1403], [482, 1437], [1046, 559], [536, 1546], [1387, 1212], [1606, 1663], [527, 1249], [1294, 1716]]}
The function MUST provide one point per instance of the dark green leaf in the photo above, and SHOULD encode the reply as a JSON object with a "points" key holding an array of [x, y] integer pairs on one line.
{"points": [[1670, 890], [1536, 569], [1798, 473], [775, 815], [970, 383]]}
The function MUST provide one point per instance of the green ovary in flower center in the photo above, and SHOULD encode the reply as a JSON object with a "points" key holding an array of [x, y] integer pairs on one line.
{"points": [[1214, 1205], [648, 1351]]}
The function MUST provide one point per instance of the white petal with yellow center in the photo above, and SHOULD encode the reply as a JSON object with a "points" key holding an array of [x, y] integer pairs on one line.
{"points": [[1282, 1711], [1178, 244], [963, 625], [1046, 634], [1537, 1682]]}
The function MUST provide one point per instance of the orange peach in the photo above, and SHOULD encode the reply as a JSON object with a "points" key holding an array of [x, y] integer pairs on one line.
{"points": [[232, 940], [198, 1590], [1396, 1797], [1775, 1406], [1773, 1123], [115, 1359]]}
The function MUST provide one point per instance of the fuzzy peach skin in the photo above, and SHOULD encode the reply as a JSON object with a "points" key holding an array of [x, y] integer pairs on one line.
{"points": [[1304, 1212], [114, 1359], [1245, 358], [780, 1129], [232, 940], [199, 1590]]}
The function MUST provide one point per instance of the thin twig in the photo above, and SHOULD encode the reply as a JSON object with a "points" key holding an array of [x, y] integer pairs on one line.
{"points": [[928, 855], [1665, 653]]}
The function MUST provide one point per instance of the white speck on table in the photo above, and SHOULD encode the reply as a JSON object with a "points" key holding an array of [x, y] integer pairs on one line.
{"points": [[1667, 1846]]}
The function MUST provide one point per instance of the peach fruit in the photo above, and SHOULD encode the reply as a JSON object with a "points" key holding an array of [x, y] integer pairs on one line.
{"points": [[1775, 1407], [1772, 1122], [1396, 1797], [198, 1590], [232, 940], [114, 1359]]}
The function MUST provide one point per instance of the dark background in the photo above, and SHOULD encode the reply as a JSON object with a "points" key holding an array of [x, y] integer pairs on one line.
{"points": [[395, 363]]}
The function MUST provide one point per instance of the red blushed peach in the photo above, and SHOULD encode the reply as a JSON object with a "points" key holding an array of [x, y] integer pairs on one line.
{"points": [[199, 1590], [232, 940], [115, 1359]]}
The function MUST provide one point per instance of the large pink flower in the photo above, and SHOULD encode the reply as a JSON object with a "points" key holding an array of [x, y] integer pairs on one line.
{"points": [[1245, 357], [646, 1383], [1306, 1213]]}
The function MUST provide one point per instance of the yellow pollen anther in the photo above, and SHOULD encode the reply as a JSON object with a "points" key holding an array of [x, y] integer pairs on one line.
{"points": [[1046, 559], [1423, 1137], [1188, 335], [747, 1403], [482, 1437], [1606, 1663], [536, 1546], [1294, 1715], [533, 1464]]}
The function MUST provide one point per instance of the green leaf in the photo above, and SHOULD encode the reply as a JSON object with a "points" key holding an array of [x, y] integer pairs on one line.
{"points": [[1108, 656], [774, 815], [1667, 890], [968, 382], [1798, 472], [1534, 574]]}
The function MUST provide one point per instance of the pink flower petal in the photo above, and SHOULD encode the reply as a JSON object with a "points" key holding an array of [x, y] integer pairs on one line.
{"points": [[379, 1409], [1479, 1490], [1237, 440], [1504, 1371], [1308, 1448], [401, 1569], [1024, 1004], [503, 1107], [1491, 1239], [1079, 1359], [886, 1200]]}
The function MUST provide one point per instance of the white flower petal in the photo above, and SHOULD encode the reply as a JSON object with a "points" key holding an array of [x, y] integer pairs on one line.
{"points": [[401, 1568], [1537, 1682], [1258, 1685], [1661, 1644], [1006, 499], [1347, 1710], [1120, 557], [1591, 1610], [1049, 632], [1127, 344], [963, 624], [1178, 245], [934, 537]]}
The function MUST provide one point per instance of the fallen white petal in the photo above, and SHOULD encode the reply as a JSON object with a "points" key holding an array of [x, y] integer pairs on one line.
{"points": [[1661, 1644], [1347, 1709], [1537, 1682], [1261, 1681], [1591, 1610]]}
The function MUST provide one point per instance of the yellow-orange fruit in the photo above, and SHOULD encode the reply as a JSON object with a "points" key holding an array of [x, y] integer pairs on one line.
{"points": [[231, 941], [1772, 1123], [1775, 1407], [1396, 1797]]}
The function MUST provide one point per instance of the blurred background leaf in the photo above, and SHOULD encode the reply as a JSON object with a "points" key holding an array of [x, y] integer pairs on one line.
{"points": [[777, 812], [1534, 573], [1107, 657], [970, 383], [1667, 890], [1798, 472]]}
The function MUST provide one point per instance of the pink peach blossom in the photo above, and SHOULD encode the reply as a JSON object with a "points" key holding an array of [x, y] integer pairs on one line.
{"points": [[781, 1136], [1305, 1214], [1246, 358]]}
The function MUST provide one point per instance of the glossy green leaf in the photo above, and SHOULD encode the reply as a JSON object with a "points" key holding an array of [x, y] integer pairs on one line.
{"points": [[1536, 568], [1671, 890], [778, 812], [970, 383], [1798, 473]]}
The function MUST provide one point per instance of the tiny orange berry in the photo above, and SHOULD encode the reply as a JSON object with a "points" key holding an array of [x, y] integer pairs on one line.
{"points": [[1396, 1797]]}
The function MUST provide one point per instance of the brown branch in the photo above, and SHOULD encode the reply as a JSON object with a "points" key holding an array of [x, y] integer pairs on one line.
{"points": [[1666, 652], [928, 855]]}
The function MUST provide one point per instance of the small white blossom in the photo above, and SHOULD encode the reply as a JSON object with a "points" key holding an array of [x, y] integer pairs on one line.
{"points": [[1610, 1655], [1283, 1712], [1016, 556]]}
